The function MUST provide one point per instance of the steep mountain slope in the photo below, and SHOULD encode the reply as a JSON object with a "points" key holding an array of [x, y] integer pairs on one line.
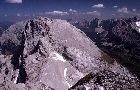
{"points": [[120, 38], [46, 54]]}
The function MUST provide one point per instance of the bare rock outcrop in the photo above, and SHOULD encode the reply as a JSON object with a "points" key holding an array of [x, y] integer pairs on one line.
{"points": [[46, 54]]}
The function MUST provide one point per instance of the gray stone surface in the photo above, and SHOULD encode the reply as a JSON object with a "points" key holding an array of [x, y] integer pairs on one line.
{"points": [[46, 54]]}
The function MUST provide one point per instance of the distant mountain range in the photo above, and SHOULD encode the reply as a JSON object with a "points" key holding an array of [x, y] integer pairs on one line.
{"points": [[120, 38], [5, 24]]}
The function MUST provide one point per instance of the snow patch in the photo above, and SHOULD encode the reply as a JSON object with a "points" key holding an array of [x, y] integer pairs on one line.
{"points": [[65, 72], [57, 57], [15, 81], [138, 25], [87, 88], [100, 87], [139, 29], [65, 75]]}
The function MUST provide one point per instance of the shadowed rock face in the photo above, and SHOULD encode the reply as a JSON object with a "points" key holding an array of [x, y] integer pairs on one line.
{"points": [[119, 38], [46, 54]]}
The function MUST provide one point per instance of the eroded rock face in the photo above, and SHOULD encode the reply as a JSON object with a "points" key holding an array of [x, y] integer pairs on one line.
{"points": [[46, 54]]}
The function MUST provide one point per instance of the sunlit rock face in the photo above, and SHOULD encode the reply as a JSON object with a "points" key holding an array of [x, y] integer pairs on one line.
{"points": [[46, 54]]}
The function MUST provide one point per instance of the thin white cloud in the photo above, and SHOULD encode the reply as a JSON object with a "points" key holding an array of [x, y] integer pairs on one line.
{"points": [[26, 15], [123, 10], [94, 13], [57, 13], [13, 1], [40, 13], [134, 10], [33, 15], [5, 15], [98, 5], [73, 11], [18, 14], [115, 6], [113, 14]]}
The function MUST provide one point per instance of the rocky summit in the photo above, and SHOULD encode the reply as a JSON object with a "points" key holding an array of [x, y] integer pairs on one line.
{"points": [[52, 54]]}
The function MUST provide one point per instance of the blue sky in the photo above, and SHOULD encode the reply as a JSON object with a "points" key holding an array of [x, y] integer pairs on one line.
{"points": [[22, 9]]}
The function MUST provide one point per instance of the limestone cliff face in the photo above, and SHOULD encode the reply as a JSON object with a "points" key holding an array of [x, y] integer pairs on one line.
{"points": [[46, 54]]}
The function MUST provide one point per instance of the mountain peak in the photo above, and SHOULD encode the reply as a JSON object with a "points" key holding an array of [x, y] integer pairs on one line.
{"points": [[52, 54]]}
